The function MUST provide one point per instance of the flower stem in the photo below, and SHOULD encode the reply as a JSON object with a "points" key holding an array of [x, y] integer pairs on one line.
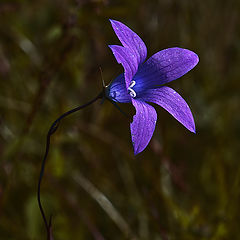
{"points": [[51, 131]]}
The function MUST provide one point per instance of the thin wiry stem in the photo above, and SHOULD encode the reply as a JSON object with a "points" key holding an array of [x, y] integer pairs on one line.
{"points": [[51, 131]]}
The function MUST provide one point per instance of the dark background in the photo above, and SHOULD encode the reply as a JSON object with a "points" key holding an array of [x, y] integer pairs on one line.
{"points": [[183, 186]]}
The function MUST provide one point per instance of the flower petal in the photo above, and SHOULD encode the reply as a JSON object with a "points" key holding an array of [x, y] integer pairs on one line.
{"points": [[171, 101], [117, 90], [143, 125], [165, 66], [130, 39], [127, 59]]}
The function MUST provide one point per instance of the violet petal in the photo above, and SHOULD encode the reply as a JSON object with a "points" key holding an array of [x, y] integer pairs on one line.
{"points": [[165, 66], [143, 125], [125, 57], [130, 39], [117, 90], [171, 101]]}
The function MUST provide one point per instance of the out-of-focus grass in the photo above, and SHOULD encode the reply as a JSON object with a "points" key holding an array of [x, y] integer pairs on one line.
{"points": [[183, 186]]}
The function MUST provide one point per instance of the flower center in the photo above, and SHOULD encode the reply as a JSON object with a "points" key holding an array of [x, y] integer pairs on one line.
{"points": [[131, 91]]}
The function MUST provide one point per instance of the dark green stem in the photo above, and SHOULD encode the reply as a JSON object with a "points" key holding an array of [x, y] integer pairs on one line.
{"points": [[51, 131]]}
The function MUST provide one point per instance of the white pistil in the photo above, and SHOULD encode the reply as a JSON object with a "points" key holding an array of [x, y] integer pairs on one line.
{"points": [[131, 91]]}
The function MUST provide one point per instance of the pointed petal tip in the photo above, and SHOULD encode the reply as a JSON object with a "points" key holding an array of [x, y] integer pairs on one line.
{"points": [[111, 20], [192, 55], [110, 46], [190, 125], [136, 151], [196, 58], [114, 22], [191, 128]]}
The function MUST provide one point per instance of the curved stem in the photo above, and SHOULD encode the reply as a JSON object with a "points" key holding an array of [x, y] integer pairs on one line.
{"points": [[51, 131]]}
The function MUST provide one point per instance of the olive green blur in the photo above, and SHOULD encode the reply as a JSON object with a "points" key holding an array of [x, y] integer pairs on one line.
{"points": [[184, 186]]}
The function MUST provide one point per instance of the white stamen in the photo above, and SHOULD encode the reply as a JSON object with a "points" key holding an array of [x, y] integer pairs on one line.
{"points": [[132, 84], [131, 91]]}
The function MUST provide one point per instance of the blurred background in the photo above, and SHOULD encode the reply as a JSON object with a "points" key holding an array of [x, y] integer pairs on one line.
{"points": [[183, 186]]}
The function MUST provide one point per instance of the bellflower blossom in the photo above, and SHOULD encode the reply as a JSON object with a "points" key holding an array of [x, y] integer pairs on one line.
{"points": [[143, 81]]}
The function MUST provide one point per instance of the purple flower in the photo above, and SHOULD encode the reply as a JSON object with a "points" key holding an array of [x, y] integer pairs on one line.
{"points": [[142, 81]]}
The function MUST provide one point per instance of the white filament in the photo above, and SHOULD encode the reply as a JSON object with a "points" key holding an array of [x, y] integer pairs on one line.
{"points": [[131, 91]]}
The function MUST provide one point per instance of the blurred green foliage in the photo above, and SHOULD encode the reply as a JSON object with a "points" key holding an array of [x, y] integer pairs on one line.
{"points": [[183, 186]]}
